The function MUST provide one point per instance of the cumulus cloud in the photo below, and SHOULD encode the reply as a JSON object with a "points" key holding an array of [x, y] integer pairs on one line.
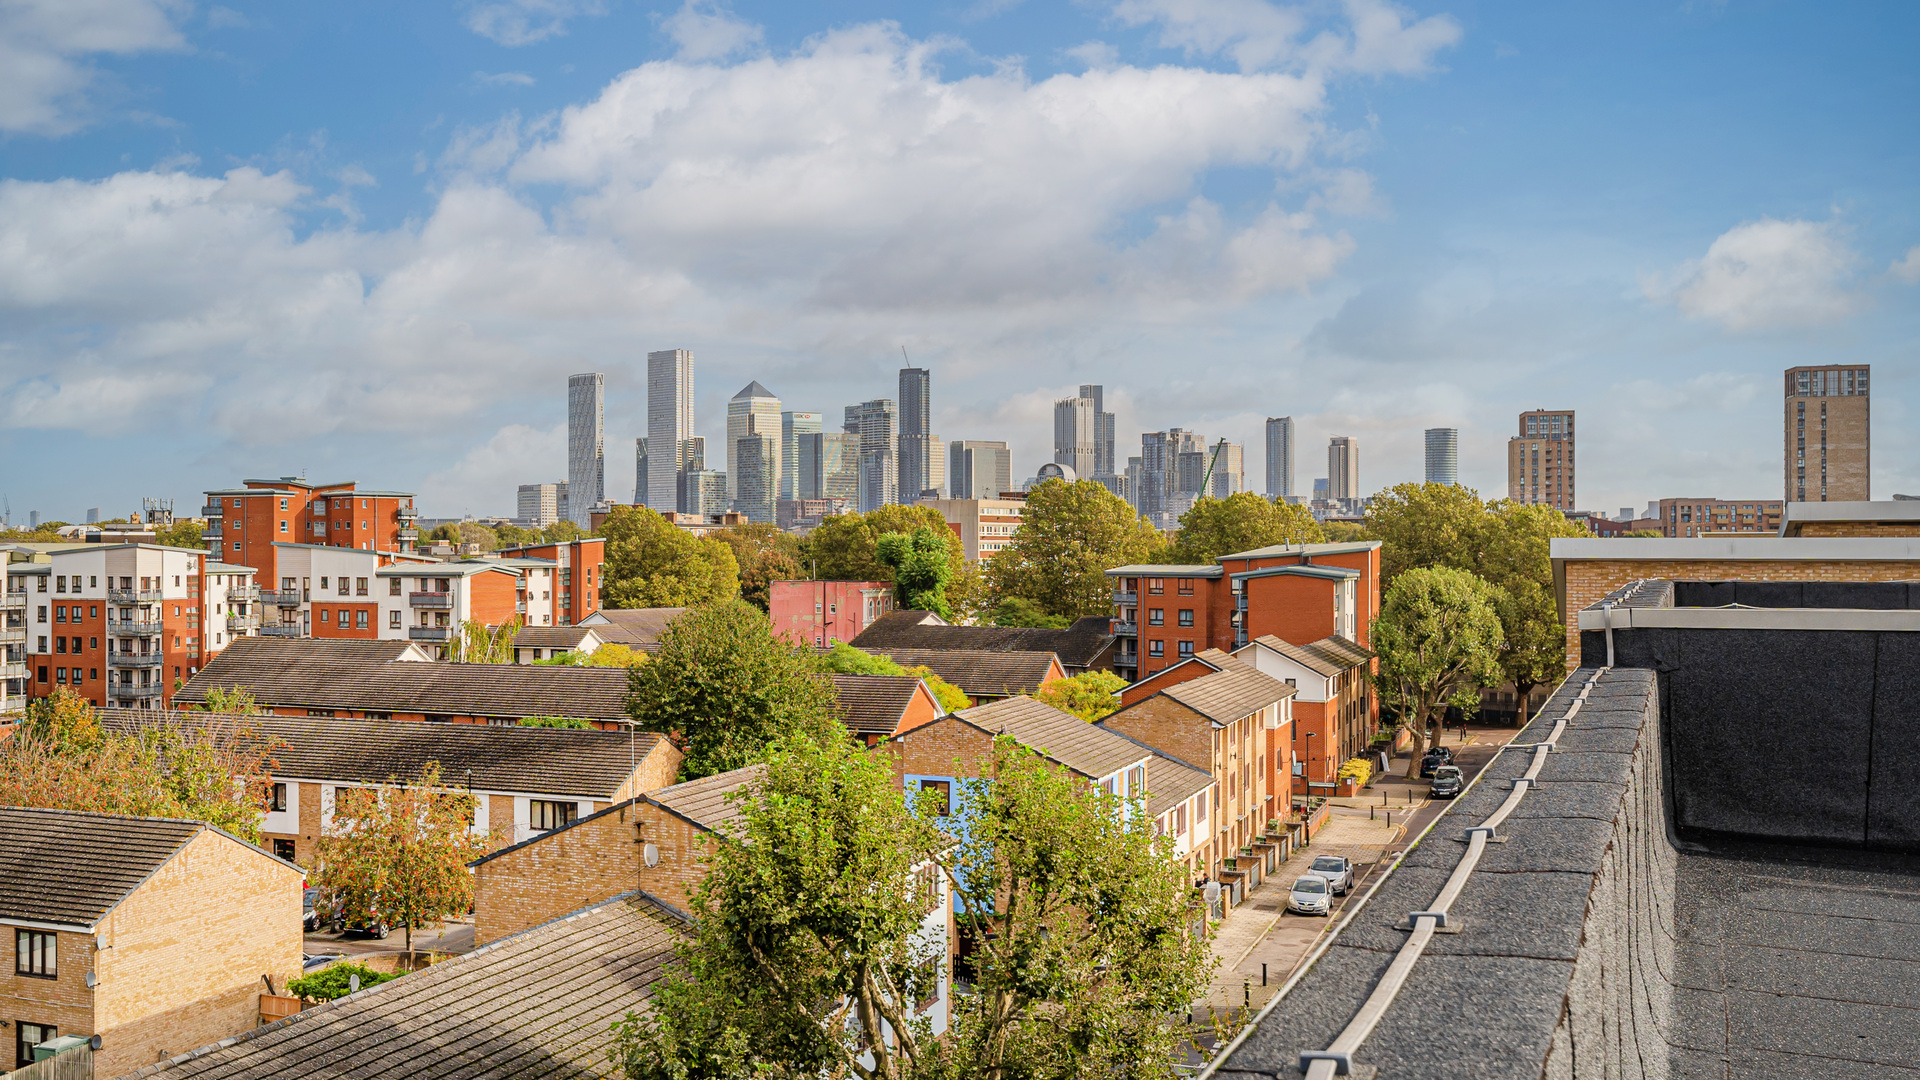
{"points": [[1377, 37], [525, 22], [704, 30], [1907, 269], [503, 78], [493, 470], [1768, 273], [46, 45]]}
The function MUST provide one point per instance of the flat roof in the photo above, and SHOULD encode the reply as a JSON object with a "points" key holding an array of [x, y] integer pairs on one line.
{"points": [[1740, 548], [1352, 547], [1168, 570]]}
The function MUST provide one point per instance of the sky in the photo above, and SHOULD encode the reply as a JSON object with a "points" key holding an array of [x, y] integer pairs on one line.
{"points": [[370, 241]]}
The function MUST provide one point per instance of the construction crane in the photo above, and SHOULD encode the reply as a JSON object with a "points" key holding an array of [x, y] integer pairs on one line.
{"points": [[1206, 481]]}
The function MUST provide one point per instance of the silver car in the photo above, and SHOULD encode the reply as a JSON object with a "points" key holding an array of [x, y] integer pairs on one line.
{"points": [[1310, 896], [1336, 869]]}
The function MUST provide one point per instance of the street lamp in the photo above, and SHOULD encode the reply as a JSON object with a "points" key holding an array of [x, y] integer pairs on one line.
{"points": [[1309, 737]]}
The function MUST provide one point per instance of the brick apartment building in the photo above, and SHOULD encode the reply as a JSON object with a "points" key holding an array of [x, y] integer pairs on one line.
{"points": [[1540, 462], [577, 575], [1828, 433], [823, 613], [245, 524], [985, 526], [1703, 517], [156, 935]]}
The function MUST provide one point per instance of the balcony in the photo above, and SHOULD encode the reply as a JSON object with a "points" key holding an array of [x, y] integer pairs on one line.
{"points": [[211, 532], [13, 633], [280, 598], [125, 691], [1126, 599], [440, 600], [237, 622], [1240, 601], [12, 670], [430, 633], [134, 596], [134, 660], [1125, 628], [407, 513], [279, 630], [242, 594], [409, 534], [212, 510], [14, 598], [135, 629]]}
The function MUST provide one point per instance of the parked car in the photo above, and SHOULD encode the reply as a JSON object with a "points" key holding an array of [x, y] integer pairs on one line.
{"points": [[1310, 896], [375, 925], [1447, 782], [1336, 870], [310, 961], [309, 915], [1435, 758]]}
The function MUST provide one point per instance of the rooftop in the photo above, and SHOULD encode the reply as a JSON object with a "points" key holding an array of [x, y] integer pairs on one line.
{"points": [[1077, 646], [1329, 656], [1351, 548], [979, 672], [552, 637], [875, 704], [707, 802], [638, 628], [1085, 748]]}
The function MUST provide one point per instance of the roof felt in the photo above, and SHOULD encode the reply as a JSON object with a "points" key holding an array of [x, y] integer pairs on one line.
{"points": [[1077, 646], [531, 761], [639, 628], [1231, 694], [541, 1003], [507, 691], [63, 866], [875, 704], [1080, 746], [704, 801], [980, 672]]}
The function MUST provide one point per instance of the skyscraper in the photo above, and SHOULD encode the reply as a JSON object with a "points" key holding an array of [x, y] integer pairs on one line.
{"points": [[586, 444], [752, 411], [1103, 460], [876, 423], [757, 457], [1540, 459], [1073, 435], [1160, 453], [833, 467], [669, 424], [1229, 470], [915, 433], [793, 476], [639, 472], [978, 469], [1829, 451], [1279, 457], [1443, 455], [540, 505], [936, 467], [1343, 470]]}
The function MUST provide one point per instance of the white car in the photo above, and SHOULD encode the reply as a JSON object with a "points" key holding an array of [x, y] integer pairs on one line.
{"points": [[1336, 869], [1310, 896]]}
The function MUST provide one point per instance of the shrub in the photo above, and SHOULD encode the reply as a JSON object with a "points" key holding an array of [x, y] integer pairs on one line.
{"points": [[332, 982]]}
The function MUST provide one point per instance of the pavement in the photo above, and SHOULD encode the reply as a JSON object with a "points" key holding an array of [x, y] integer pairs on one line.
{"points": [[448, 937], [1259, 944]]}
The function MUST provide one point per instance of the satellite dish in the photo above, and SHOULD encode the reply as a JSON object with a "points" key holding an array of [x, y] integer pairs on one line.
{"points": [[651, 853]]}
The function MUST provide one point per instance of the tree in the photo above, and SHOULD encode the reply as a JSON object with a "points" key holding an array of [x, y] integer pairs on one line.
{"points": [[1070, 536], [612, 654], [511, 535], [1515, 558], [472, 532], [1020, 611], [1426, 525], [1089, 695], [569, 723], [765, 555], [185, 533], [563, 531], [397, 853], [844, 659], [846, 547], [1242, 521], [231, 700], [336, 981], [921, 565], [1438, 636], [479, 643], [448, 533], [805, 950], [652, 563], [722, 687], [214, 769], [968, 594]]}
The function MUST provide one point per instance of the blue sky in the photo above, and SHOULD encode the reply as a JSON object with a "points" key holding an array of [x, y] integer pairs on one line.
{"points": [[371, 240]]}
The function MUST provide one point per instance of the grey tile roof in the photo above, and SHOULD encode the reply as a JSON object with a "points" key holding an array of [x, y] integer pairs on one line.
{"points": [[531, 761], [64, 866], [1230, 694], [979, 672], [551, 637], [297, 650], [540, 1003], [704, 801], [1329, 656], [639, 628], [277, 678], [1080, 746], [1171, 782], [874, 704], [1077, 646]]}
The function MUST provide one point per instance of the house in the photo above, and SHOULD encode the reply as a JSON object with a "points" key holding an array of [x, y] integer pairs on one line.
{"points": [[875, 707], [636, 628], [546, 642], [1232, 722], [981, 674], [540, 1003], [155, 934], [284, 677], [952, 749], [525, 781], [821, 613], [1330, 722], [1087, 645]]}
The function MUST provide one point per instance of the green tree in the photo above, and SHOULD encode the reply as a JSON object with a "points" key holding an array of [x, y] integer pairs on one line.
{"points": [[968, 593], [844, 659], [722, 687], [1426, 525], [511, 535], [472, 532], [765, 555], [570, 723], [563, 532], [231, 700], [1089, 695], [612, 654], [448, 533], [846, 547], [1242, 521], [336, 981], [1020, 611], [652, 563], [1439, 640], [806, 942], [396, 854], [922, 565], [479, 643], [1070, 536], [185, 533]]}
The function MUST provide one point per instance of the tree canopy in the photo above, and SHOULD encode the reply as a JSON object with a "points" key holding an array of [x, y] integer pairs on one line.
{"points": [[1439, 640], [844, 659], [653, 563], [185, 533], [1089, 695], [723, 688], [1020, 611], [846, 547], [765, 555], [922, 565], [1070, 535], [1242, 521]]}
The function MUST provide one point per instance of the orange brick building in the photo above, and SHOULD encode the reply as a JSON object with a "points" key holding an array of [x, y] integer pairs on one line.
{"points": [[244, 523], [579, 575]]}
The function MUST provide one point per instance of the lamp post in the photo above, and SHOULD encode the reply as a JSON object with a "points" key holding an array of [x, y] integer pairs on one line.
{"points": [[1309, 737]]}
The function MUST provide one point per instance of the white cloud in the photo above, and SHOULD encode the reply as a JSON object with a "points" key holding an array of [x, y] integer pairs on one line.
{"points": [[488, 476], [504, 78], [525, 22], [1377, 37], [1907, 269], [1095, 55], [45, 75], [704, 30], [1768, 273]]}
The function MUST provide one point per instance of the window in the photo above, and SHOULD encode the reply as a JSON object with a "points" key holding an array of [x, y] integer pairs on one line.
{"points": [[360, 586], [1137, 781], [283, 506], [1156, 648], [393, 617], [283, 525], [1179, 820], [277, 797], [393, 587], [1186, 616], [43, 584], [1156, 586], [60, 645], [1156, 616], [1186, 648], [546, 814], [284, 849], [1186, 587], [359, 620], [236, 545], [59, 613], [344, 586], [93, 611], [32, 1035], [36, 954], [323, 583], [944, 790]]}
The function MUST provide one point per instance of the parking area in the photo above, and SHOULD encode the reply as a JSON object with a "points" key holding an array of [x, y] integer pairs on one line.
{"points": [[453, 937]]}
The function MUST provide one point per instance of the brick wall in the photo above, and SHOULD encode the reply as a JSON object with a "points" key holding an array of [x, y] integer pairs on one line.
{"points": [[594, 859], [945, 747], [64, 1002], [1165, 724], [1855, 528]]}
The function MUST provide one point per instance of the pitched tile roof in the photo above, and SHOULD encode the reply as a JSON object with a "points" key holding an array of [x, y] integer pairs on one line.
{"points": [[1329, 656], [64, 866], [1171, 782], [1230, 694], [1077, 646], [979, 672], [491, 690], [639, 628], [704, 801], [553, 637], [295, 650], [1080, 746], [875, 704], [541, 1003], [529, 761]]}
